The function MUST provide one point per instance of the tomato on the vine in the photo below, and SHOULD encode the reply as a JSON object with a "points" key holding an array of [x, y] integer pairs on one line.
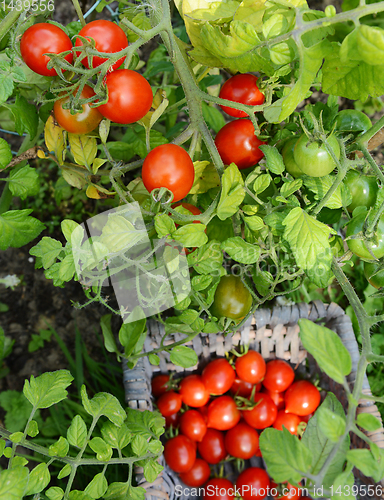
{"points": [[40, 39], [159, 385], [79, 123], [352, 120], [237, 143], [279, 375], [168, 403], [223, 413], [192, 425], [197, 475], [169, 166], [363, 189], [218, 376], [180, 453], [263, 414], [242, 441], [193, 391], [232, 299], [250, 367], [212, 446], [374, 274], [219, 488], [288, 158], [313, 159], [241, 88], [253, 483], [288, 420], [108, 37], [129, 97], [302, 398], [359, 247]]}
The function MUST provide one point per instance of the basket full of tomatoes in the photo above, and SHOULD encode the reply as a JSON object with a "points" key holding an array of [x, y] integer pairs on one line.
{"points": [[215, 412]]}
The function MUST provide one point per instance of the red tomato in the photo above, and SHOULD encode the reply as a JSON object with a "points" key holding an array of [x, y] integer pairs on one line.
{"points": [[250, 367], [192, 425], [263, 415], [159, 385], [203, 410], [169, 166], [236, 143], [193, 391], [288, 491], [302, 398], [223, 413], [241, 388], [289, 420], [219, 489], [278, 376], [180, 453], [242, 441], [79, 123], [277, 398], [198, 475], [129, 97], [168, 403], [43, 38], [218, 376], [109, 38], [242, 89], [212, 447], [173, 420], [253, 483]]}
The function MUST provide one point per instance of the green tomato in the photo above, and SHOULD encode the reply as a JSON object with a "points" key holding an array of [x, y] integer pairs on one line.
{"points": [[313, 159], [359, 247], [363, 189], [351, 120], [289, 161], [373, 274], [232, 299]]}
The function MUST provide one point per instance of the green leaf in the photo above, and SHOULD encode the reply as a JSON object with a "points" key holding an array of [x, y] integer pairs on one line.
{"points": [[97, 487], [139, 445], [119, 234], [65, 471], [164, 225], [83, 148], [33, 429], [67, 268], [117, 437], [130, 334], [291, 187], [16, 437], [206, 177], [191, 235], [38, 479], [308, 239], [273, 158], [151, 470], [101, 448], [6, 81], [241, 251], [5, 151], [47, 389], [321, 185], [261, 183], [48, 250], [368, 422], [109, 339], [326, 346], [67, 227], [78, 495], [24, 182], [13, 482], [331, 424], [293, 459], [367, 463], [55, 493], [208, 259], [254, 222], [103, 404], [118, 491], [60, 448], [321, 446], [339, 486], [143, 422], [18, 410], [183, 356], [155, 447], [232, 192], [201, 282], [26, 117], [213, 117], [17, 228], [77, 432]]}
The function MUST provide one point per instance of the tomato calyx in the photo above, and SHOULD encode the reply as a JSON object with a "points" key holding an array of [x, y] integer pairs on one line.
{"points": [[247, 403]]}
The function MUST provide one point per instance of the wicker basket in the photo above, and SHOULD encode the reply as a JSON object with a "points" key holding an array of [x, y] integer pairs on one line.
{"points": [[274, 333]]}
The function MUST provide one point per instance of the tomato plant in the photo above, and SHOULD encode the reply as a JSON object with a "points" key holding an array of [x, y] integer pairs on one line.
{"points": [[363, 189], [79, 123], [250, 367], [279, 375], [242, 441], [237, 143], [180, 453], [313, 158], [243, 89], [40, 39], [302, 398], [171, 167], [363, 248], [108, 37], [218, 376], [198, 474], [212, 447], [192, 425], [193, 391], [232, 299], [253, 483], [129, 97], [223, 413]]}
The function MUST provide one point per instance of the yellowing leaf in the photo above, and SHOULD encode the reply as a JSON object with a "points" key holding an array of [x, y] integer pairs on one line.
{"points": [[75, 179], [55, 139], [98, 193], [97, 163], [83, 148], [159, 104]]}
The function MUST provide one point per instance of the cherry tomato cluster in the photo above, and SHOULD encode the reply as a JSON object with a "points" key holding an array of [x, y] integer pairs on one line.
{"points": [[236, 142], [129, 94], [221, 412]]}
